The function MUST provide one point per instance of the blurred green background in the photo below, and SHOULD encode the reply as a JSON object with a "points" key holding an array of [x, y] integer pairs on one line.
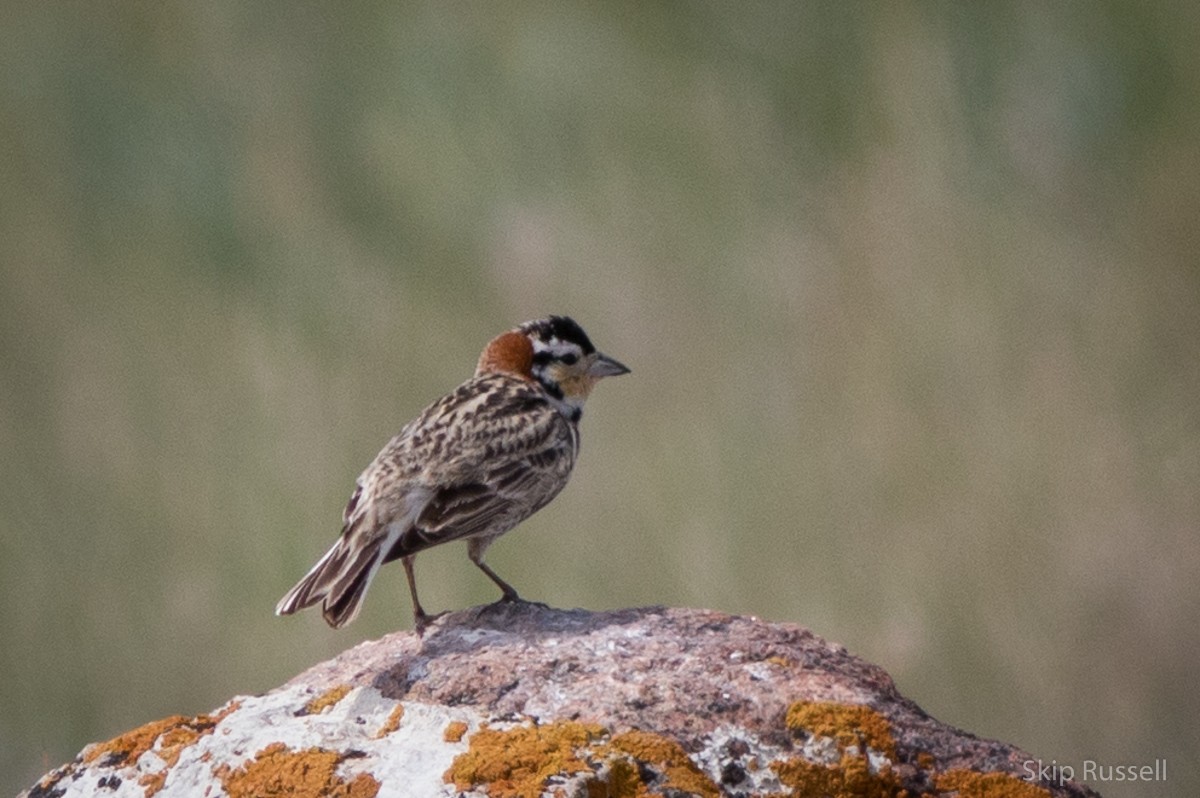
{"points": [[910, 292]]}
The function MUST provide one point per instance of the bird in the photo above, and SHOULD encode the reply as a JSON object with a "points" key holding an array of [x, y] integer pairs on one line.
{"points": [[471, 466]]}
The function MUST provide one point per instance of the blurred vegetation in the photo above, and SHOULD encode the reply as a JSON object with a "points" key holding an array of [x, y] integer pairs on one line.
{"points": [[910, 293]]}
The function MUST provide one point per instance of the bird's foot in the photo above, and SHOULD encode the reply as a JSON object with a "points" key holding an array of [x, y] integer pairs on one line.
{"points": [[515, 599], [422, 621]]}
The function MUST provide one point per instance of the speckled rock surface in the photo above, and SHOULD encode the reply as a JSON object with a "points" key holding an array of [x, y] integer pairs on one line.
{"points": [[523, 700]]}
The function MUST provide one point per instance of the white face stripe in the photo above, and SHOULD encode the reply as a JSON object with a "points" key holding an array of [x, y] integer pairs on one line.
{"points": [[557, 332], [557, 346]]}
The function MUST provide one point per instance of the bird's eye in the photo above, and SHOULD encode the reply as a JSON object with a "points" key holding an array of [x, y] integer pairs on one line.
{"points": [[569, 358]]}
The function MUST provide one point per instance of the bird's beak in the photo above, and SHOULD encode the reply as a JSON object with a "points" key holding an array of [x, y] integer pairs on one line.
{"points": [[605, 366]]}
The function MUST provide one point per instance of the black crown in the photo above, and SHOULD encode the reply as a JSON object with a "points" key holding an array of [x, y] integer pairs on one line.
{"points": [[562, 328]]}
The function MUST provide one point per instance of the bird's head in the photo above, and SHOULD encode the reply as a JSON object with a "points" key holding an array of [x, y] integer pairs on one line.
{"points": [[556, 353]]}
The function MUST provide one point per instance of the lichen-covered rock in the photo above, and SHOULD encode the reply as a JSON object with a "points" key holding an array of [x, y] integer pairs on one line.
{"points": [[521, 700]]}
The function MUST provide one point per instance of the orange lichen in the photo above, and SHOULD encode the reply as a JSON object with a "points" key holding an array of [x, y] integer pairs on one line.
{"points": [[309, 773], [326, 699], [516, 763], [392, 723], [153, 782], [854, 728], [621, 781], [666, 756], [849, 778], [176, 732], [454, 731], [127, 748], [969, 784], [167, 738], [847, 724]]}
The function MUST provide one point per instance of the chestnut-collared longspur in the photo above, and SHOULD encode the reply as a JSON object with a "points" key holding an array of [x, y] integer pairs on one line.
{"points": [[472, 466]]}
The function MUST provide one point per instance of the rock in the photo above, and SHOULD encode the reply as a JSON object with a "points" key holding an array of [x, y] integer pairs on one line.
{"points": [[522, 700]]}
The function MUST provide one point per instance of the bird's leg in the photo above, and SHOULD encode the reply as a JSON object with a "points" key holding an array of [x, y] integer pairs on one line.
{"points": [[475, 549], [420, 618], [510, 593]]}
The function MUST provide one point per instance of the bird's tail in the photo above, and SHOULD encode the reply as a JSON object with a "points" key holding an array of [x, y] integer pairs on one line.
{"points": [[338, 581]]}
